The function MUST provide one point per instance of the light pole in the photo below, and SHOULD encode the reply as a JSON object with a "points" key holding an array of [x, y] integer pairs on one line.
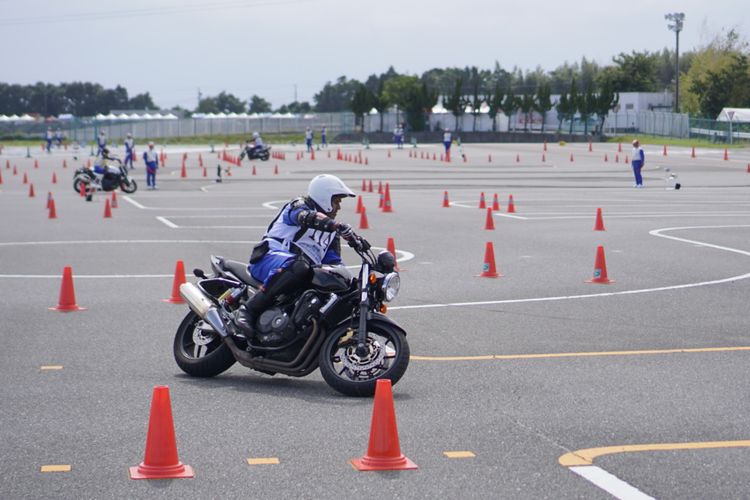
{"points": [[676, 20]]}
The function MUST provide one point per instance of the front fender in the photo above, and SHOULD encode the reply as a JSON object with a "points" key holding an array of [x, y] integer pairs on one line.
{"points": [[373, 317]]}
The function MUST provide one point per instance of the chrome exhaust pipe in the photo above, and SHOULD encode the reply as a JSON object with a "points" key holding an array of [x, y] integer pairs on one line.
{"points": [[196, 299]]}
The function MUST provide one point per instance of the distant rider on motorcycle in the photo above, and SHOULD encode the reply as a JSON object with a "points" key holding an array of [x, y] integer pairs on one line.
{"points": [[304, 233], [252, 147]]}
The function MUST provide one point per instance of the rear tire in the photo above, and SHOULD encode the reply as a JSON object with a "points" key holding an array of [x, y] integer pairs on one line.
{"points": [[200, 352], [351, 375]]}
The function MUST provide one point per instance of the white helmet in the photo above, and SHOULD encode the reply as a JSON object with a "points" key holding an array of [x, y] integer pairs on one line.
{"points": [[256, 135], [324, 187]]}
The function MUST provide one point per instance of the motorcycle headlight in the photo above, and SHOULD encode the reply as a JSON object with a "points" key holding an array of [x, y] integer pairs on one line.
{"points": [[391, 286]]}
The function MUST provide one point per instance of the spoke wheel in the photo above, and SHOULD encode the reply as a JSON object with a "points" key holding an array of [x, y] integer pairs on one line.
{"points": [[198, 350], [387, 356]]}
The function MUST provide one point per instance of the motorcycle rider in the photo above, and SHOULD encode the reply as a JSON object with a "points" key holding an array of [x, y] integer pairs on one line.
{"points": [[304, 233], [252, 147]]}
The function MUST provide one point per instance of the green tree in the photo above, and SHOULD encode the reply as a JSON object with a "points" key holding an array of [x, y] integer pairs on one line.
{"points": [[634, 72], [229, 103], [335, 96], [455, 102], [574, 101], [543, 101], [606, 100], [587, 106], [526, 105], [510, 106], [361, 104], [494, 103], [141, 101], [413, 96], [259, 105], [476, 105], [380, 102]]}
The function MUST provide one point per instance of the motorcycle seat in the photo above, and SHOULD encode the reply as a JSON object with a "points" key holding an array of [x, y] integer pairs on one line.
{"points": [[239, 269]]}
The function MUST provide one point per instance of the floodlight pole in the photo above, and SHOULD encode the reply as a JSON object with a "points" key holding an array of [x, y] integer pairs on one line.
{"points": [[677, 19]]}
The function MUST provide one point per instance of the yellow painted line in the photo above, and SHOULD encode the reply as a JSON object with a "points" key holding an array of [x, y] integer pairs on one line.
{"points": [[263, 461], [51, 367], [587, 456], [55, 468], [579, 354], [459, 454]]}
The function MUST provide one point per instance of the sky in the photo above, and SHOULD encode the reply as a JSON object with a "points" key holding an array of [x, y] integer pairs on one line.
{"points": [[284, 50]]}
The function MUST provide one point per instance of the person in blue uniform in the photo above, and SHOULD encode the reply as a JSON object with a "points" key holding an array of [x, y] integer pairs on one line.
{"points": [[304, 233], [129, 151], [151, 159], [637, 161]]}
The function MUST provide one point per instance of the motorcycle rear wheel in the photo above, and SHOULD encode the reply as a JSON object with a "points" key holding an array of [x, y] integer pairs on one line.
{"points": [[351, 375], [199, 352], [130, 187]]}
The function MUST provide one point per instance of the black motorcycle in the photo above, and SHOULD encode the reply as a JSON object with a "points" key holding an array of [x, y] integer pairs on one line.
{"points": [[338, 324], [109, 181], [263, 153]]}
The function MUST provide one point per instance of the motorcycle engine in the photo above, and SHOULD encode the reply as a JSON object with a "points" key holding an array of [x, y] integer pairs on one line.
{"points": [[276, 322]]}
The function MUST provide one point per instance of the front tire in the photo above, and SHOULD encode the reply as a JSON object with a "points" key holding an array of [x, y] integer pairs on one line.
{"points": [[129, 187], [198, 350], [352, 375]]}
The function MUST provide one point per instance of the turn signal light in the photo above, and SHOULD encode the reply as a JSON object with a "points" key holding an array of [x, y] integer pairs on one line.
{"points": [[383, 308]]}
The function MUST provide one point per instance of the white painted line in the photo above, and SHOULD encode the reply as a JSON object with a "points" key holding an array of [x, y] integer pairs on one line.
{"points": [[610, 483], [167, 223], [133, 202], [655, 232]]}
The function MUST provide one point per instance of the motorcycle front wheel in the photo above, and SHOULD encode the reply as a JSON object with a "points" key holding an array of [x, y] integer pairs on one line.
{"points": [[198, 350], [129, 187], [350, 374], [77, 185]]}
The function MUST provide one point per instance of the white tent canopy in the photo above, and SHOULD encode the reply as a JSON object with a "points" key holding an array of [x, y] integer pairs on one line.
{"points": [[734, 114]]}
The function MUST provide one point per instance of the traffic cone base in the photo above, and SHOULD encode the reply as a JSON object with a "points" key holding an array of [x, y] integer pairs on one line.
{"points": [[160, 458], [67, 302], [179, 279], [383, 450]]}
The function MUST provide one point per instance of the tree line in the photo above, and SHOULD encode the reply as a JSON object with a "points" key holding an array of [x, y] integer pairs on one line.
{"points": [[712, 77]]}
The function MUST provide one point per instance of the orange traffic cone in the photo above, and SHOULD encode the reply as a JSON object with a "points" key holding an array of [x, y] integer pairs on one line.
{"points": [[665, 151], [571, 157], [391, 247], [605, 157], [363, 224], [383, 450], [726, 155], [380, 202], [489, 158], [359, 205], [482, 203], [380, 187], [31, 190], [545, 144], [36, 164], [52, 214], [205, 171], [67, 302], [692, 153], [65, 164], [617, 158], [544, 158], [518, 158], [15, 170], [254, 173], [364, 186], [276, 169], [54, 178], [511, 205], [619, 147], [369, 187], [600, 268], [25, 178], [160, 460], [488, 269], [82, 189], [49, 198], [1, 177], [495, 203], [599, 224], [179, 279], [447, 203], [107, 209], [748, 168], [387, 206], [590, 147], [183, 172], [114, 199], [489, 223]]}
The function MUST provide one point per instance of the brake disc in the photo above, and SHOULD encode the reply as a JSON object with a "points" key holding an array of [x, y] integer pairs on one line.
{"points": [[355, 363]]}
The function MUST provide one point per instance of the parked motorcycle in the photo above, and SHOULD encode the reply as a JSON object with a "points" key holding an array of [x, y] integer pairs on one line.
{"points": [[337, 324], [263, 153], [109, 181]]}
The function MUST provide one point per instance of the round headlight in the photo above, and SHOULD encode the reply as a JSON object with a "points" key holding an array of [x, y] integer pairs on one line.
{"points": [[391, 286]]}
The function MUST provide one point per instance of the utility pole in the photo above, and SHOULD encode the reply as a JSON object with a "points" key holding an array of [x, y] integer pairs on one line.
{"points": [[676, 19]]}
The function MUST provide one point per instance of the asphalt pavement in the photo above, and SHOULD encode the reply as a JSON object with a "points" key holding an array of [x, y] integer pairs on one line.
{"points": [[552, 387]]}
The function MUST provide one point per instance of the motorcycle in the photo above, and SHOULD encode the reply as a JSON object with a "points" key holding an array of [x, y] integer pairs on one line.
{"points": [[109, 181], [337, 324], [263, 153]]}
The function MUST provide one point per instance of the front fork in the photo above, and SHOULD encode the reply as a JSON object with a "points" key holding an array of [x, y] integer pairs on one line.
{"points": [[364, 307]]}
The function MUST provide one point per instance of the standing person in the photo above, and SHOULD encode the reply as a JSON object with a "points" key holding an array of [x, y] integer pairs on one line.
{"points": [[637, 162], [447, 140], [323, 138], [129, 151], [59, 138], [308, 139], [48, 138], [151, 159], [101, 142], [400, 136], [303, 234]]}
